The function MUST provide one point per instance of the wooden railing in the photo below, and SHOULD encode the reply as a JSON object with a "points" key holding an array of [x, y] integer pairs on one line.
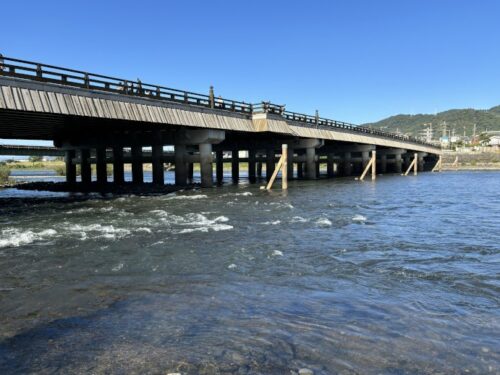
{"points": [[12, 67]]}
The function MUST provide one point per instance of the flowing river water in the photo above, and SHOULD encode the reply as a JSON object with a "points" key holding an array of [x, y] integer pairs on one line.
{"points": [[400, 276]]}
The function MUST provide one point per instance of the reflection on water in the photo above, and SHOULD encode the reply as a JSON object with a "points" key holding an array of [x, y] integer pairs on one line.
{"points": [[397, 276]]}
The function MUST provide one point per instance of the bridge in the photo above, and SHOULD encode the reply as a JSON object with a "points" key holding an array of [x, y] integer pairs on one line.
{"points": [[104, 120], [30, 150]]}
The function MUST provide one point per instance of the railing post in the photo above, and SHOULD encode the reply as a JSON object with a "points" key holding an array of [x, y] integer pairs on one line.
{"points": [[211, 97], [39, 72], [86, 80]]}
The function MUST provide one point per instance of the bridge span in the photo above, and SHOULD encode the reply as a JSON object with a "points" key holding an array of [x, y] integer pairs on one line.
{"points": [[100, 119]]}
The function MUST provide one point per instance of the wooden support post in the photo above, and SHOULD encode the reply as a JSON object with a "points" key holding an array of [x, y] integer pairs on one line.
{"points": [[414, 165], [282, 164], [371, 164], [437, 166], [374, 165], [284, 167]]}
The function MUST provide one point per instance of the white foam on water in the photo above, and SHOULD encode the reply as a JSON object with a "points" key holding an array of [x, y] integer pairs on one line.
{"points": [[277, 253], [299, 219], [274, 222], [99, 231], [323, 222], [232, 266], [117, 268], [199, 196], [144, 229], [244, 194], [359, 218], [12, 237], [200, 223]]}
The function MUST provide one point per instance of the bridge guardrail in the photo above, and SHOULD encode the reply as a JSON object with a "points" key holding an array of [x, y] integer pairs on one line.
{"points": [[12, 67]]}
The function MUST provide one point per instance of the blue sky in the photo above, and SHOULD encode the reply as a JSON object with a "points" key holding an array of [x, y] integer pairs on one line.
{"points": [[355, 60]]}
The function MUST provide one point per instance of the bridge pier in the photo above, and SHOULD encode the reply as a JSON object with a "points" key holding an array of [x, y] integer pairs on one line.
{"points": [[137, 167], [269, 163], [311, 163], [157, 164], [101, 170], [330, 165], [181, 172], [347, 164], [251, 166], [398, 163], [118, 169], [206, 165], [85, 167], [235, 165], [259, 169], [300, 170], [70, 167], [219, 165], [383, 163]]}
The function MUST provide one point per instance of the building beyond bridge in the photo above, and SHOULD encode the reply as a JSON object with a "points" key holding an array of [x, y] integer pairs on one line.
{"points": [[100, 119]]}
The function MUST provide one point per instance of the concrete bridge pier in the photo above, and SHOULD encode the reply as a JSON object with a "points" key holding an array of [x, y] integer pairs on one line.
{"points": [[290, 153], [85, 168], [137, 167], [259, 169], [300, 170], [235, 165], [118, 169], [101, 166], [70, 167], [330, 165], [219, 166], [347, 164], [157, 164], [204, 139], [365, 159], [206, 164], [311, 163], [383, 163], [181, 172], [421, 161], [269, 163], [398, 163], [251, 166]]}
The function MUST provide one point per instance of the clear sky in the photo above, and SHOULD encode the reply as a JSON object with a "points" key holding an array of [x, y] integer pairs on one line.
{"points": [[353, 60]]}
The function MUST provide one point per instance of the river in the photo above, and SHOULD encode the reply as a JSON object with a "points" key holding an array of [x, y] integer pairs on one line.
{"points": [[398, 276]]}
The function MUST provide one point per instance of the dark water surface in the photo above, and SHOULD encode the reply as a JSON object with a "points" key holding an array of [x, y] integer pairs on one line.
{"points": [[398, 276]]}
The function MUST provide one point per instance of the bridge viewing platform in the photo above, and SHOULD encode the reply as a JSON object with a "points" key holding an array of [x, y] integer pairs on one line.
{"points": [[99, 119]]}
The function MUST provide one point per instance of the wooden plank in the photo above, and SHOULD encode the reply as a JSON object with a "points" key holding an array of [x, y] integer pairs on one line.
{"points": [[62, 103], [16, 94], [69, 104], [28, 102], [35, 95], [2, 101], [93, 110], [44, 98], [53, 103]]}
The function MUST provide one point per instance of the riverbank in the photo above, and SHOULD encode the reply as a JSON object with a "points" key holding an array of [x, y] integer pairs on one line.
{"points": [[471, 161]]}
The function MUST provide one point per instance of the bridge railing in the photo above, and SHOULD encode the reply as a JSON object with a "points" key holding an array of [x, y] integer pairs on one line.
{"points": [[71, 77], [12, 67], [324, 123]]}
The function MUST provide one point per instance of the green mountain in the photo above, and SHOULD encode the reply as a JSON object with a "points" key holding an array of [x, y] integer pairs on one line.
{"points": [[458, 119]]}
